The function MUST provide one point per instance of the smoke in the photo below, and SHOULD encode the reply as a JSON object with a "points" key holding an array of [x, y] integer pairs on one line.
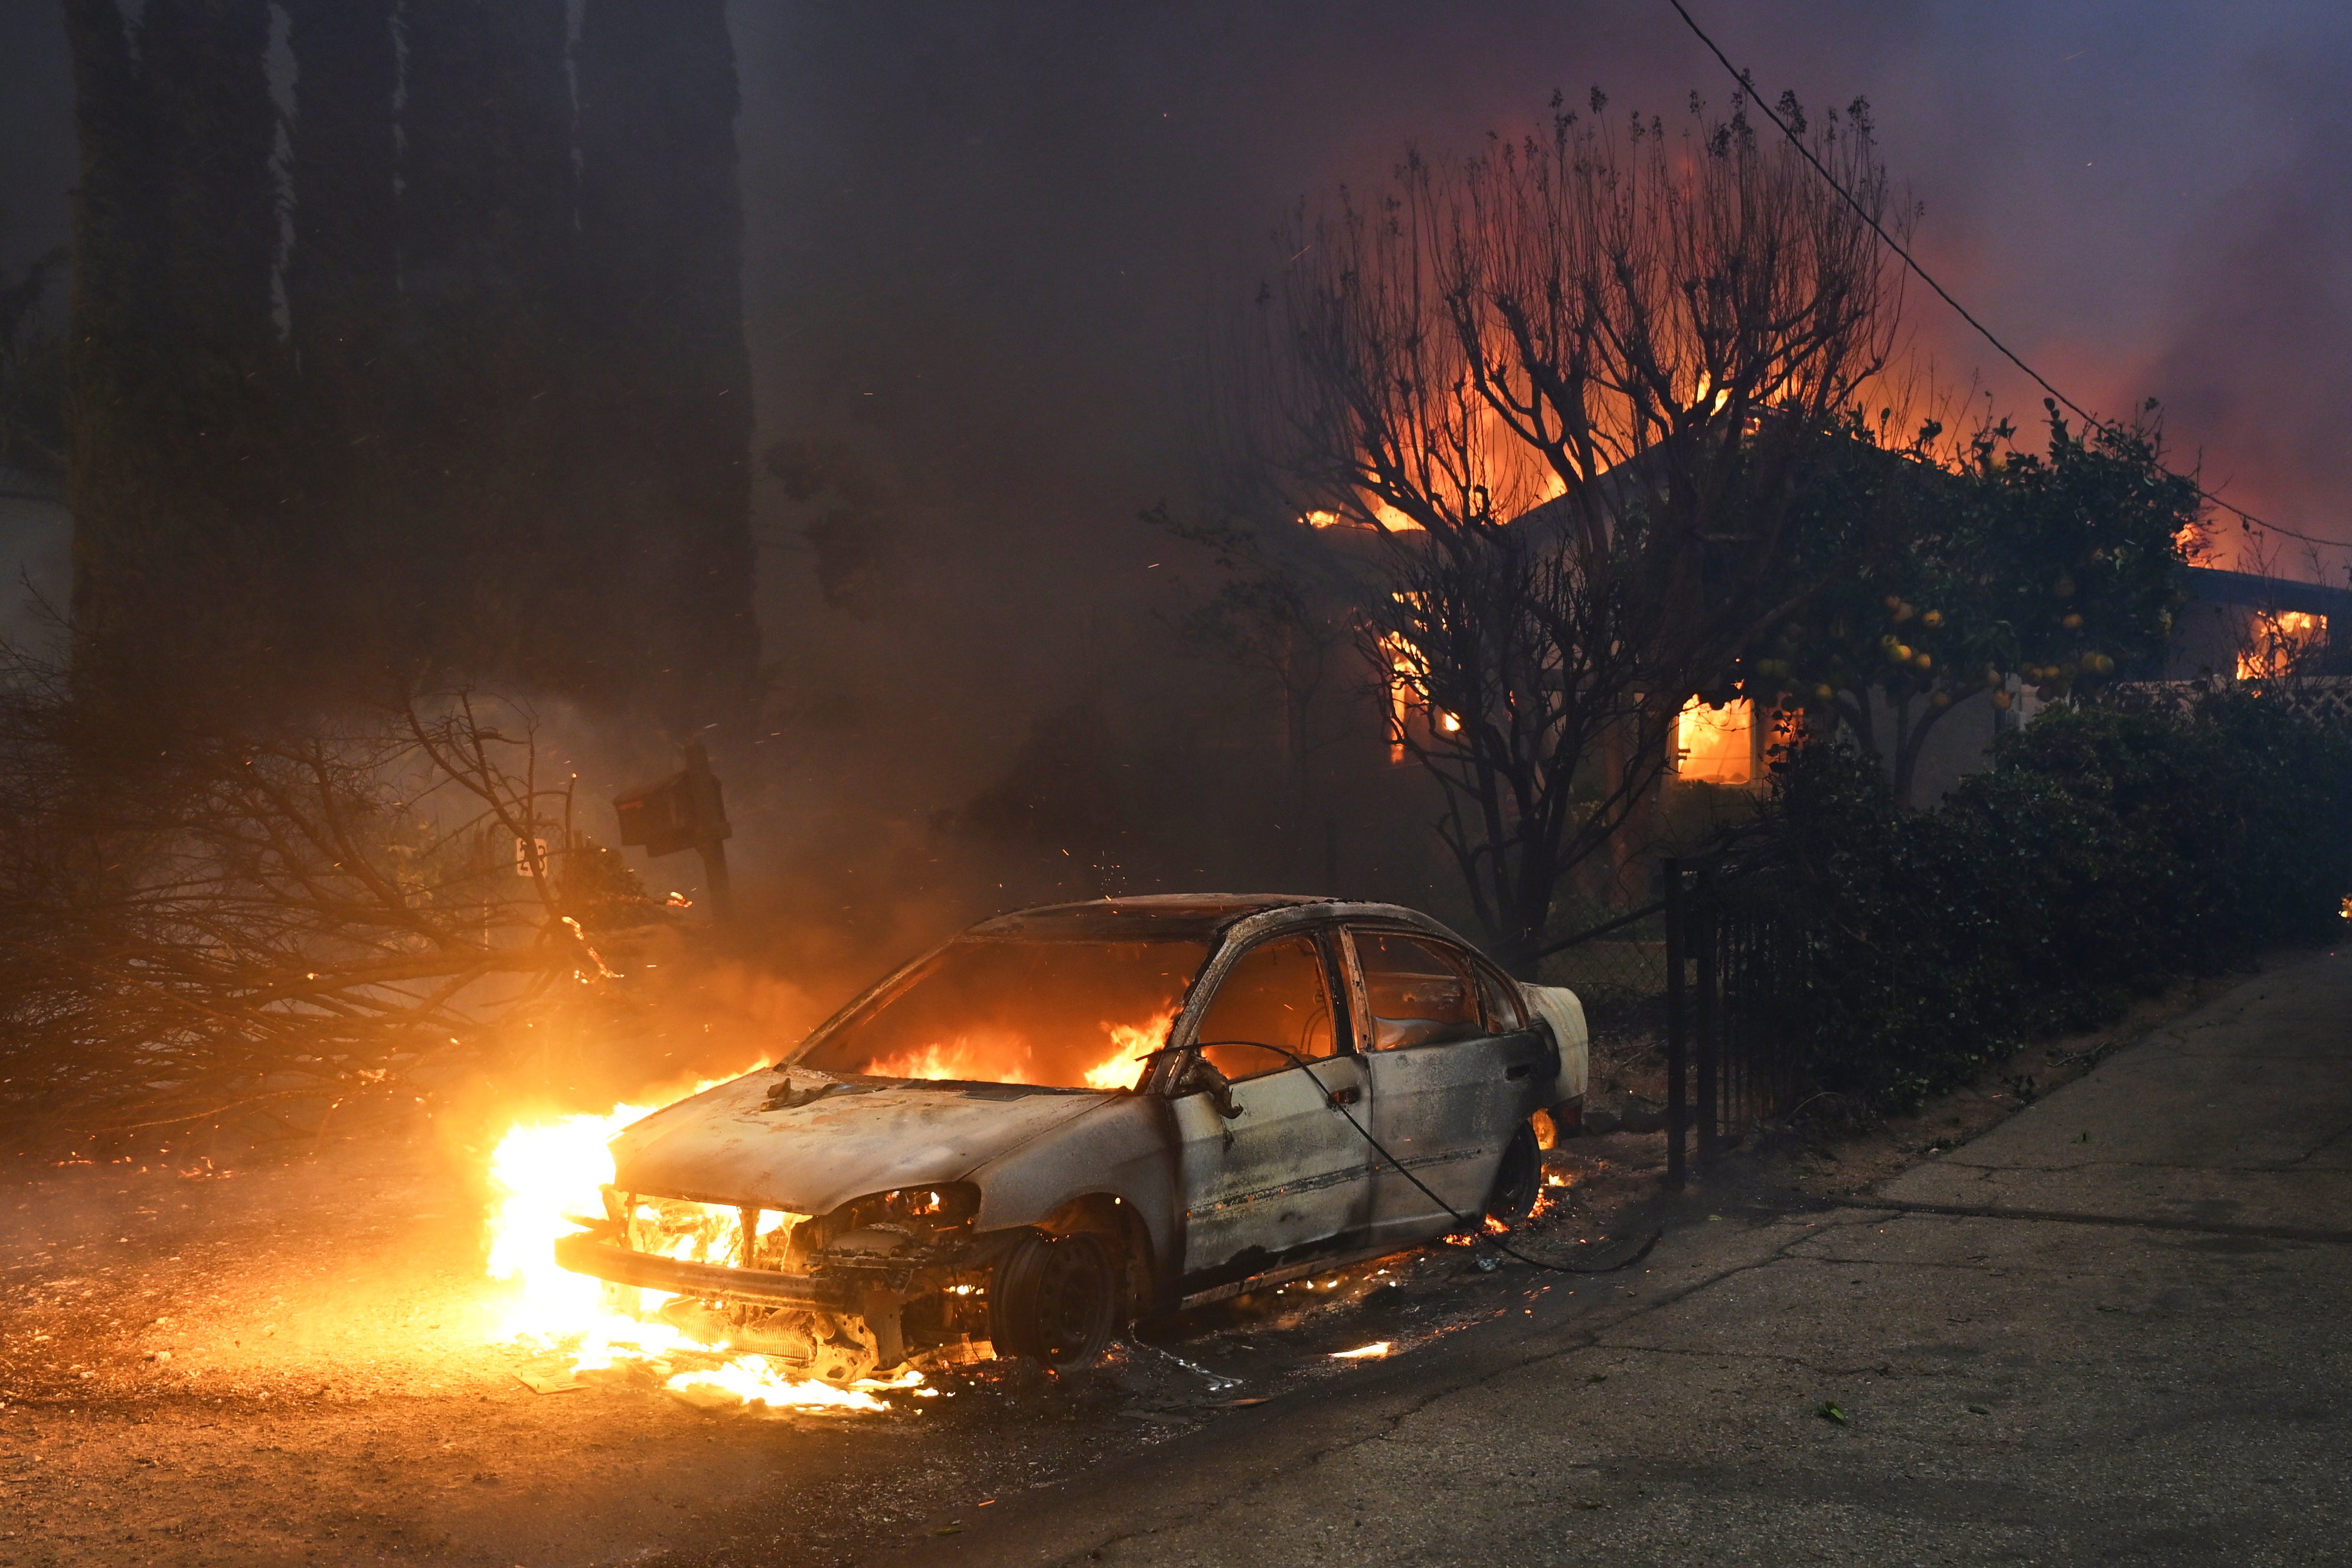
{"points": [[2259, 369], [986, 249]]}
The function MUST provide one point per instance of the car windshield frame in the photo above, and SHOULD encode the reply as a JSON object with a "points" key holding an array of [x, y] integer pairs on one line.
{"points": [[895, 985]]}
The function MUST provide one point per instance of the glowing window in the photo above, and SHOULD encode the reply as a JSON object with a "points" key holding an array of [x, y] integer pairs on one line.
{"points": [[2277, 641], [1715, 745]]}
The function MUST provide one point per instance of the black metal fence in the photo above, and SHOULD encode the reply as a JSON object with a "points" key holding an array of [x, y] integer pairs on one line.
{"points": [[1736, 969]]}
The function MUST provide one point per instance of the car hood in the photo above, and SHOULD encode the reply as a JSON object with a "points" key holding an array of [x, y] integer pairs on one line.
{"points": [[723, 1146]]}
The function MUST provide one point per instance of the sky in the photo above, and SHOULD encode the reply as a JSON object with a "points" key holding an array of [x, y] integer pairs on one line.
{"points": [[987, 244], [1030, 206]]}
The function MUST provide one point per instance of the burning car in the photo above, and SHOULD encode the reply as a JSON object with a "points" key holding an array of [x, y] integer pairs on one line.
{"points": [[1070, 1116]]}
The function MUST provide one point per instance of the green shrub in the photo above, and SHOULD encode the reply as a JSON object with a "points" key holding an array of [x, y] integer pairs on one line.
{"points": [[2106, 852]]}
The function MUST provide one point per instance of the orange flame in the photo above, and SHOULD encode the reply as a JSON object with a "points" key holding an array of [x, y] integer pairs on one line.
{"points": [[1715, 745], [1000, 1057], [546, 1181], [988, 1058], [1389, 517], [2279, 639], [1130, 1042]]}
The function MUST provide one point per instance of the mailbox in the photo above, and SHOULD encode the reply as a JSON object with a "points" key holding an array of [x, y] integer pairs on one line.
{"points": [[683, 811]]}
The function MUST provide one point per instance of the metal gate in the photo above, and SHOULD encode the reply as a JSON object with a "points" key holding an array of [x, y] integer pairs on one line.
{"points": [[1736, 974]]}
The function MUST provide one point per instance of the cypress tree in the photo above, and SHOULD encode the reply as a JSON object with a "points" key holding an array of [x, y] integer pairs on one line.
{"points": [[667, 397], [505, 434], [173, 473], [343, 301], [487, 235], [342, 272], [109, 478]]}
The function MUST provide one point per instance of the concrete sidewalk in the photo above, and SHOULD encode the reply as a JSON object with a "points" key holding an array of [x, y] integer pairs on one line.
{"points": [[2111, 1331]]}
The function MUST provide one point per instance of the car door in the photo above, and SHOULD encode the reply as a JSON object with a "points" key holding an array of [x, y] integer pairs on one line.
{"points": [[1450, 1061], [1287, 1177]]}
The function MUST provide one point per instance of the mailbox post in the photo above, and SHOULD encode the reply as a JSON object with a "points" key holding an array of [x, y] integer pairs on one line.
{"points": [[683, 811]]}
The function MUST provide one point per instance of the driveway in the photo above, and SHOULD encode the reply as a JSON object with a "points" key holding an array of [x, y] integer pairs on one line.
{"points": [[2112, 1329]]}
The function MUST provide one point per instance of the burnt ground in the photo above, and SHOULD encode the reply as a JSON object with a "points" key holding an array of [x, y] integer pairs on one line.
{"points": [[288, 1360]]}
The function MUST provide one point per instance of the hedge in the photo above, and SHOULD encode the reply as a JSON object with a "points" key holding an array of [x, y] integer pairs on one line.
{"points": [[2104, 854]]}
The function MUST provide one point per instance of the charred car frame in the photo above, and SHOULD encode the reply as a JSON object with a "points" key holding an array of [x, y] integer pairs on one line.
{"points": [[1071, 1116]]}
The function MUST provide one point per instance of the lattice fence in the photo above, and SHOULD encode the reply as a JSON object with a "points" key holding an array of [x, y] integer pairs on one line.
{"points": [[2324, 698]]}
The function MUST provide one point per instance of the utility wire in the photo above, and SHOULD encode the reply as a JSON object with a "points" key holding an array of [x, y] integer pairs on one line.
{"points": [[1747, 84]]}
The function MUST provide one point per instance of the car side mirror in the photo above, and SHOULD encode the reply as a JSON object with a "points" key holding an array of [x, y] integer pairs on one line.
{"points": [[1197, 1074]]}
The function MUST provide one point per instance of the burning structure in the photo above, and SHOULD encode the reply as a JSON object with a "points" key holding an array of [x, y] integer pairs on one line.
{"points": [[2253, 627]]}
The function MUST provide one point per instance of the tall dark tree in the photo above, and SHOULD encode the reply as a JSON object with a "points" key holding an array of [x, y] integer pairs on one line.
{"points": [[176, 228], [343, 302], [204, 67], [500, 432], [110, 476], [667, 393], [342, 273], [497, 581]]}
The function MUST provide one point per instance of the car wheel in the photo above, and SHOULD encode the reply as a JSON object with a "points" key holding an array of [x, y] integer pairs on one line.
{"points": [[1054, 1298], [1518, 1180]]}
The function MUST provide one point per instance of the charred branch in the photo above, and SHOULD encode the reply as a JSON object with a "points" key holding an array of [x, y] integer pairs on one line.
{"points": [[321, 912]]}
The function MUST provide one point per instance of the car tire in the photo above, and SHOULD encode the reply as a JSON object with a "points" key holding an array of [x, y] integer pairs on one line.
{"points": [[1518, 1180], [1054, 1298]]}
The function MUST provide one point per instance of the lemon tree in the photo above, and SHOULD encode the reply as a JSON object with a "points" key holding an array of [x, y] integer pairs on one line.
{"points": [[2058, 569]]}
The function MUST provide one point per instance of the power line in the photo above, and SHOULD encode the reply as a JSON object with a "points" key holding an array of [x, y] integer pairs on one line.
{"points": [[1747, 84]]}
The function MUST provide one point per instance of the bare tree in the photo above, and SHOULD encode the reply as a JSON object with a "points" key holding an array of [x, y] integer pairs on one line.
{"points": [[316, 912], [1514, 657], [1580, 382]]}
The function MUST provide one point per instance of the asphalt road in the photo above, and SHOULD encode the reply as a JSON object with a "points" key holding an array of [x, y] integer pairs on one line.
{"points": [[2112, 1329]]}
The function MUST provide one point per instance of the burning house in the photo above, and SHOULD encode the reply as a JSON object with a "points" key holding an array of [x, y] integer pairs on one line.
{"points": [[2248, 625]]}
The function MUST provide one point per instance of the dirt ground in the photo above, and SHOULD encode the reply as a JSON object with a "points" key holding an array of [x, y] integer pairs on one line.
{"points": [[289, 1360]]}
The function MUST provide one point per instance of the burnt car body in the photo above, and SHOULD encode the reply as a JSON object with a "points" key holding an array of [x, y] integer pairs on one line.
{"points": [[939, 1164]]}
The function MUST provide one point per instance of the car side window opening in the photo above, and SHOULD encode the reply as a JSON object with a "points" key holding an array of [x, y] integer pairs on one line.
{"points": [[1504, 1015], [1274, 995], [1420, 993]]}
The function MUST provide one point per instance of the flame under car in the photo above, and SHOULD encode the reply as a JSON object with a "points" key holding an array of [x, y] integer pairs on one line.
{"points": [[1072, 1116]]}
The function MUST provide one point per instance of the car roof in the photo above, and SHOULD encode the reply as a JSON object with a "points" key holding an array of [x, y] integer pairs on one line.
{"points": [[1201, 916]]}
